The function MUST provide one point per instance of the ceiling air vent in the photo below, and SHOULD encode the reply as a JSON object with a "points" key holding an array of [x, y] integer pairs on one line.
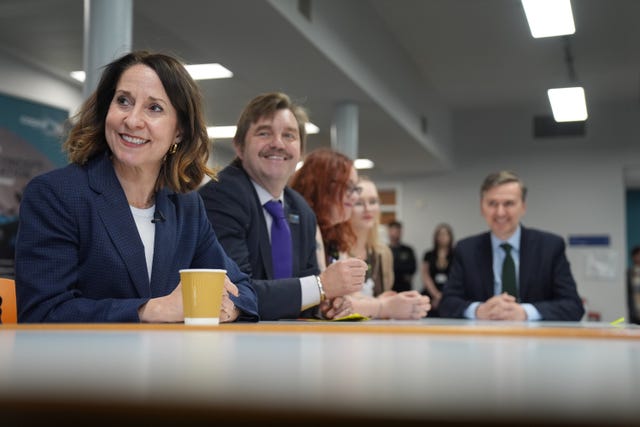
{"points": [[304, 7], [547, 127]]}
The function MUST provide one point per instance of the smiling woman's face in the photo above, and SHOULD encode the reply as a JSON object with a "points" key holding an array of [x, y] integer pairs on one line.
{"points": [[366, 208], [141, 123]]}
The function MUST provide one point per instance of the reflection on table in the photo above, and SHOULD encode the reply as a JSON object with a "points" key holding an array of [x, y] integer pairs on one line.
{"points": [[298, 372]]}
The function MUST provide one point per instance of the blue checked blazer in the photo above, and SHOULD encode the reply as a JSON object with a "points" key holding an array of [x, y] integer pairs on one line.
{"points": [[79, 256]]}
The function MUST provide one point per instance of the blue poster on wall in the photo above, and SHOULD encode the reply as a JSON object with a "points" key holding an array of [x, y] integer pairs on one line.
{"points": [[30, 144]]}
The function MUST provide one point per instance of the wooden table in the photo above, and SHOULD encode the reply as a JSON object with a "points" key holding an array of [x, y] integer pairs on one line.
{"points": [[316, 373]]}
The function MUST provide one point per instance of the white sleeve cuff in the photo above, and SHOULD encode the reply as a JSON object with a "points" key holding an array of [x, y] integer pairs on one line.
{"points": [[310, 294], [470, 312], [532, 312]]}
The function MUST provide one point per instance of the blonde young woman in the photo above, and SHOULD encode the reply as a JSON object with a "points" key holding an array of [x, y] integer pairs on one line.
{"points": [[376, 299], [365, 221]]}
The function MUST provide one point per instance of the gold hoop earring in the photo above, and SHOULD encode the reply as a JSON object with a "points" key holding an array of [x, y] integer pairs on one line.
{"points": [[173, 148]]}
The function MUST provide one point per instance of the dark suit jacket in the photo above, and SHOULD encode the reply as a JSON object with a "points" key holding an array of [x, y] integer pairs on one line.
{"points": [[545, 276], [235, 212], [79, 256]]}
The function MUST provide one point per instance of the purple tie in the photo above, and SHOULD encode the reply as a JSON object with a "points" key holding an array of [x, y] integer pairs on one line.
{"points": [[280, 241]]}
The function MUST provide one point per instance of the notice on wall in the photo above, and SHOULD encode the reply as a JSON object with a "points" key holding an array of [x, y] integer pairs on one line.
{"points": [[578, 240], [601, 264]]}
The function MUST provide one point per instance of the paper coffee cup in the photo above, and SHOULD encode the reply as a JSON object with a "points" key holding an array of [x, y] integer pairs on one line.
{"points": [[202, 291]]}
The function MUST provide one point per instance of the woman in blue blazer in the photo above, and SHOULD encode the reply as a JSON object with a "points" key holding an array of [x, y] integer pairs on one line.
{"points": [[103, 239]]}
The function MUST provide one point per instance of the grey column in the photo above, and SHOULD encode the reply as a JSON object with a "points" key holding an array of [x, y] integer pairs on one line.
{"points": [[108, 25], [344, 129]]}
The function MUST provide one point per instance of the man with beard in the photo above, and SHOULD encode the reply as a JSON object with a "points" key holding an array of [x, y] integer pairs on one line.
{"points": [[275, 246]]}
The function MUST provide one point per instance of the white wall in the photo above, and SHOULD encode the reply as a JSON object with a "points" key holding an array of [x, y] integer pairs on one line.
{"points": [[576, 186], [24, 81]]}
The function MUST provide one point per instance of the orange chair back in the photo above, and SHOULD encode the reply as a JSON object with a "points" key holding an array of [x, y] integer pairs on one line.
{"points": [[8, 294]]}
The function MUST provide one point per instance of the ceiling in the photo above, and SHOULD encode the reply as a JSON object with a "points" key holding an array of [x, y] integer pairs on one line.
{"points": [[408, 64]]}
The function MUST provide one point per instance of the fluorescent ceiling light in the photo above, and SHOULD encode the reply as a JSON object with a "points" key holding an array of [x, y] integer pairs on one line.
{"points": [[228, 132], [79, 76], [208, 71], [548, 18], [358, 163], [221, 132], [363, 164], [311, 128], [197, 72], [568, 104]]}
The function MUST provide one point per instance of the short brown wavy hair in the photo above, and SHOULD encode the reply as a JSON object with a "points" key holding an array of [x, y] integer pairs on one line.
{"points": [[266, 105], [182, 171]]}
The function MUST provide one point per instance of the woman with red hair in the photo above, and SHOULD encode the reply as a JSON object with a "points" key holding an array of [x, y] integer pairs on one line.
{"points": [[329, 182]]}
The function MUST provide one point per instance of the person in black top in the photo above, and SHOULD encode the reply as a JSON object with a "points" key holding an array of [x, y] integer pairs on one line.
{"points": [[436, 264], [633, 286], [404, 259]]}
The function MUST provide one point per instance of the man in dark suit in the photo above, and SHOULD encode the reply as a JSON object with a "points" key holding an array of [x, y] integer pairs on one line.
{"points": [[269, 140], [511, 272]]}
